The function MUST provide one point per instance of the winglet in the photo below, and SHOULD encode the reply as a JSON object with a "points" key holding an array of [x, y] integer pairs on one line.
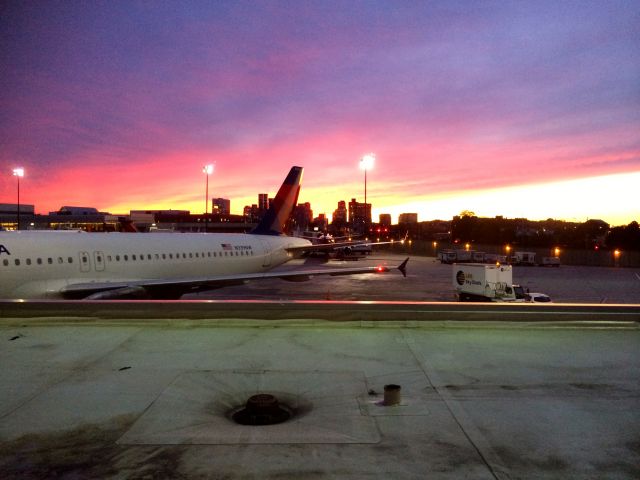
{"points": [[403, 267]]}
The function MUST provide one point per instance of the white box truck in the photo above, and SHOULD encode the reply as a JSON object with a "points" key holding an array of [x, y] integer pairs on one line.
{"points": [[447, 256], [485, 283], [524, 258], [550, 262]]}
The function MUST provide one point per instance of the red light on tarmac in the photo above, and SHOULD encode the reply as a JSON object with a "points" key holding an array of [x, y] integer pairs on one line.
{"points": [[380, 268]]}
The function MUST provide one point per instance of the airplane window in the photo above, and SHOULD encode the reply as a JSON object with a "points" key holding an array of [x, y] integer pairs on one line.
{"points": [[184, 255], [60, 260], [197, 254], [208, 254], [84, 259], [157, 256], [39, 261], [171, 255], [126, 258], [190, 255], [70, 259], [117, 258], [5, 262], [99, 258], [149, 256], [164, 256], [17, 262], [108, 258], [28, 261], [133, 257], [49, 260]]}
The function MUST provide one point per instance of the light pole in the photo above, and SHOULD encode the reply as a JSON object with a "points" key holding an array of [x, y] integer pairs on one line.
{"points": [[208, 170], [18, 172], [366, 163]]}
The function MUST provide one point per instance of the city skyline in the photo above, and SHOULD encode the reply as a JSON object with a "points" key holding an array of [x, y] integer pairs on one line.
{"points": [[520, 110]]}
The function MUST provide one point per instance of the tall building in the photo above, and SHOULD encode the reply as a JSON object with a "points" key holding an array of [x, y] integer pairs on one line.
{"points": [[340, 214], [408, 218], [321, 222], [359, 215], [263, 202], [221, 206], [251, 213], [302, 216], [385, 219]]}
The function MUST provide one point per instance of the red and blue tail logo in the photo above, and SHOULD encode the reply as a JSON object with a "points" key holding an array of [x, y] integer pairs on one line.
{"points": [[282, 206]]}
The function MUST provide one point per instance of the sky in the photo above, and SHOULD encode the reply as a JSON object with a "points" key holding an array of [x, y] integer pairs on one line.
{"points": [[514, 108]]}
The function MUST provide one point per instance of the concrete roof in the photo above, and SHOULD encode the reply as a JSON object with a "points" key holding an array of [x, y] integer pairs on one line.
{"points": [[125, 398]]}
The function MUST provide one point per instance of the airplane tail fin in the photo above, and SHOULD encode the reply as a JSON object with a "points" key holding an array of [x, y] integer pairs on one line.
{"points": [[280, 209]]}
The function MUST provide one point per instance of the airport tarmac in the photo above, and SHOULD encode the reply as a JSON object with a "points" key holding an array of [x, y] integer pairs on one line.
{"points": [[430, 281], [88, 394]]}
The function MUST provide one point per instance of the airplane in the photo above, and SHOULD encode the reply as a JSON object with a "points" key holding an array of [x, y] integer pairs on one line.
{"points": [[113, 265], [327, 246]]}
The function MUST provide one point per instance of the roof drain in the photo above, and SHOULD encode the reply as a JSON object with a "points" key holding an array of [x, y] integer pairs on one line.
{"points": [[262, 409]]}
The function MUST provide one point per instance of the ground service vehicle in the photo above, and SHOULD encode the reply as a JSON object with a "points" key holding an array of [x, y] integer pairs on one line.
{"points": [[485, 283], [523, 258], [550, 262], [537, 297]]}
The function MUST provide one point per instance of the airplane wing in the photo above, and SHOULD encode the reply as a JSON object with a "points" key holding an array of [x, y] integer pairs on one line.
{"points": [[328, 247], [175, 288]]}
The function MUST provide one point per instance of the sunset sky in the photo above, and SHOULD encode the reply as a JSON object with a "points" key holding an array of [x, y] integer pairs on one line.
{"points": [[521, 109]]}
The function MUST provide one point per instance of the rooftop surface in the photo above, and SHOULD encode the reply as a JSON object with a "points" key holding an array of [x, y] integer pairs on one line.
{"points": [[87, 391]]}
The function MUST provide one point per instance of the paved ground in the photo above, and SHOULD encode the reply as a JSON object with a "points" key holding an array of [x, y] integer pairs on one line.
{"points": [[429, 280], [112, 401], [90, 397]]}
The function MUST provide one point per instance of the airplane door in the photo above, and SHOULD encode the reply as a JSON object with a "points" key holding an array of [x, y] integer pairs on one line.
{"points": [[85, 264], [98, 261]]}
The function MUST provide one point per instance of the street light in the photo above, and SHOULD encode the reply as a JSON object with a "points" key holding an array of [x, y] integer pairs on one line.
{"points": [[366, 163], [18, 172], [616, 257], [207, 170]]}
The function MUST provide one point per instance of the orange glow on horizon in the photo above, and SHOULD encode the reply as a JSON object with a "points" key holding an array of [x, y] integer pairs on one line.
{"points": [[175, 182]]}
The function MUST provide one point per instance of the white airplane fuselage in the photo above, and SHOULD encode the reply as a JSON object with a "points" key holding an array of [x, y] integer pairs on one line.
{"points": [[39, 264]]}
